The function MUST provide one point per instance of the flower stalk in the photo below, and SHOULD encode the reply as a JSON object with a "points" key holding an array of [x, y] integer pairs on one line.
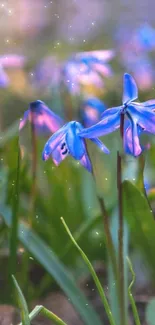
{"points": [[121, 230]]}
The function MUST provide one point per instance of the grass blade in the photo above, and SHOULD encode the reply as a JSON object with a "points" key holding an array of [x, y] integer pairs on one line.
{"points": [[94, 275], [134, 308], [45, 312], [22, 304]]}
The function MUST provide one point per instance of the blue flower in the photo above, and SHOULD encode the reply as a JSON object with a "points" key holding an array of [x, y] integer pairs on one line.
{"points": [[145, 37], [44, 120], [66, 141], [140, 116], [91, 110], [86, 68]]}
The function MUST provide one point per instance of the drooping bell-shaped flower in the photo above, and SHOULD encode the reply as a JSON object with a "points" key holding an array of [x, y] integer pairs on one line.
{"points": [[66, 141], [44, 120]]}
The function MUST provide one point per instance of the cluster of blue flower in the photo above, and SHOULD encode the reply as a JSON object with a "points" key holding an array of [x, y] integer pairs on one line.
{"points": [[69, 138]]}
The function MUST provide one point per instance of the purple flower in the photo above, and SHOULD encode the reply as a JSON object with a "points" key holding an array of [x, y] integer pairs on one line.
{"points": [[44, 120], [66, 141], [141, 118], [91, 110]]}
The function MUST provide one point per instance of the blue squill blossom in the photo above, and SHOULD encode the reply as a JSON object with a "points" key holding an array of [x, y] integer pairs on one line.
{"points": [[44, 120], [145, 38], [140, 116], [87, 68], [91, 111], [9, 61], [66, 141]]}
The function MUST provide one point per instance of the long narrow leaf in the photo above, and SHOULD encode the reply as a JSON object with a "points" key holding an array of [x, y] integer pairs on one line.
{"points": [[22, 304], [111, 279]]}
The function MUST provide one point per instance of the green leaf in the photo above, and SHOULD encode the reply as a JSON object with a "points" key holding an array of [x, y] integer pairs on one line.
{"points": [[54, 267], [150, 312], [22, 304], [111, 279], [45, 312], [140, 220]]}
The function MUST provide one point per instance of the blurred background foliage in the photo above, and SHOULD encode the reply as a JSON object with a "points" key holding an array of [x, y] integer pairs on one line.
{"points": [[46, 28]]}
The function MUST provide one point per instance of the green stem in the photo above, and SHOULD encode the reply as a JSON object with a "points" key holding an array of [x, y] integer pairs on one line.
{"points": [[15, 220], [109, 241], [34, 173], [31, 214], [120, 241], [134, 308], [94, 275]]}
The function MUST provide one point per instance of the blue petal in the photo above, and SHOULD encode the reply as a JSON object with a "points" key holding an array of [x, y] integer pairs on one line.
{"points": [[100, 145], [24, 119], [53, 142], [109, 123], [58, 155], [85, 162], [111, 111], [130, 91], [44, 119], [149, 104], [146, 37], [94, 103], [103, 69], [101, 55], [143, 116], [131, 139], [91, 111], [4, 80], [75, 144]]}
